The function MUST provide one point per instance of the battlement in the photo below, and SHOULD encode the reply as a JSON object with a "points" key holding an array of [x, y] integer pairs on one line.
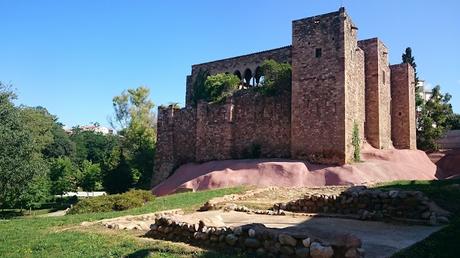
{"points": [[338, 84]]}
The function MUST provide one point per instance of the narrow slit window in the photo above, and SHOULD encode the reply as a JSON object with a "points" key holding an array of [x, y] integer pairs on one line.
{"points": [[383, 77], [318, 52]]}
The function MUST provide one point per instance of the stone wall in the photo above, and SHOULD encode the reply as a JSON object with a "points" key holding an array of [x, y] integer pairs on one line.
{"points": [[371, 204], [214, 131], [403, 132], [255, 239], [378, 93], [219, 131], [354, 87], [318, 91], [337, 82], [239, 64], [262, 121], [176, 140]]}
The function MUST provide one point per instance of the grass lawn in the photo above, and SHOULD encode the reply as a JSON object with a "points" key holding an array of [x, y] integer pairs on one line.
{"points": [[54, 237], [446, 242]]}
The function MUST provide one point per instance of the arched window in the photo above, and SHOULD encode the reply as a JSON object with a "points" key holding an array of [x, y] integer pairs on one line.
{"points": [[238, 74], [259, 76], [247, 77]]}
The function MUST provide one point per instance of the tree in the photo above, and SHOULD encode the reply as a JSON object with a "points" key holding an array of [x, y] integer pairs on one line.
{"points": [[433, 120], [454, 122], [40, 123], [220, 86], [120, 178], [61, 146], [21, 162], [92, 146], [137, 124], [408, 58], [63, 176], [90, 176], [277, 77]]}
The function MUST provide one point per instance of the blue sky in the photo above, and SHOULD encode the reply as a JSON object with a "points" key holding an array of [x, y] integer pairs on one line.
{"points": [[72, 57]]}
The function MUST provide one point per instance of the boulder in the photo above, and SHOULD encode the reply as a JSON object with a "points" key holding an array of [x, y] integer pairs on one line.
{"points": [[317, 250], [231, 239], [287, 240], [251, 243]]}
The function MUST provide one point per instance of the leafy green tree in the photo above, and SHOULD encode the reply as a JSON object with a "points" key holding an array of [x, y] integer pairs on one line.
{"points": [[37, 192], [277, 77], [93, 146], [137, 124], [120, 178], [408, 58], [433, 120], [40, 123], [61, 146], [454, 122], [90, 179], [63, 176], [21, 162], [220, 86]]}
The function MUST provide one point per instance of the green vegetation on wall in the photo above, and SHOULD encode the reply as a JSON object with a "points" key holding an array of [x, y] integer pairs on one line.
{"points": [[277, 77], [356, 142], [220, 86]]}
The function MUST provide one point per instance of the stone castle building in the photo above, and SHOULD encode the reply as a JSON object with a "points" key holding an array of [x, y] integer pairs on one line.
{"points": [[338, 82]]}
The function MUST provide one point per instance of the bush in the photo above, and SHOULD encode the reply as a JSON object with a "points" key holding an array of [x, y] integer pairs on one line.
{"points": [[355, 141], [115, 202], [277, 77], [125, 202], [220, 86]]}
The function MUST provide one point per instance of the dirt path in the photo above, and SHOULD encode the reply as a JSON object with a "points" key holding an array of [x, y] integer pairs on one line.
{"points": [[379, 239]]}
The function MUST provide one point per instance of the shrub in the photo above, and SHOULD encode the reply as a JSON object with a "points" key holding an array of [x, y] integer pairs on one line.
{"points": [[145, 196], [125, 202], [220, 86], [277, 77], [116, 202], [355, 141]]}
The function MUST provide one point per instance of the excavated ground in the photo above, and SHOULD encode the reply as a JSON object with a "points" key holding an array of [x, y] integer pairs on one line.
{"points": [[379, 239]]}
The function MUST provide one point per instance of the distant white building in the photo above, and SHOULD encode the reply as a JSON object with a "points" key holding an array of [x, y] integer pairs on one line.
{"points": [[97, 129], [93, 128], [425, 93]]}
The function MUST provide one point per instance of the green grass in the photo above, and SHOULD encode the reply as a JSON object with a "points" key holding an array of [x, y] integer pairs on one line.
{"points": [[446, 242], [55, 237]]}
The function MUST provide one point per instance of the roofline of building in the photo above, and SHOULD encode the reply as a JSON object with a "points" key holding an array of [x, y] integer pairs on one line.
{"points": [[246, 55]]}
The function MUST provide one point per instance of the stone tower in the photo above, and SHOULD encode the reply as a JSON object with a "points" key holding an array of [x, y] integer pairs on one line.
{"points": [[327, 88], [403, 131], [378, 93]]}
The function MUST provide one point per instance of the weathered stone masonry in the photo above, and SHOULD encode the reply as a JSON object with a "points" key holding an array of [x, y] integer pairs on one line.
{"points": [[337, 82]]}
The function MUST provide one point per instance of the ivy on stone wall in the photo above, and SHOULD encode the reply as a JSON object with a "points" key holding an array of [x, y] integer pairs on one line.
{"points": [[199, 92], [356, 142]]}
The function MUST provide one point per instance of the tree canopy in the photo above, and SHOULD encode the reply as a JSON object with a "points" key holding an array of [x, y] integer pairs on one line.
{"points": [[21, 161]]}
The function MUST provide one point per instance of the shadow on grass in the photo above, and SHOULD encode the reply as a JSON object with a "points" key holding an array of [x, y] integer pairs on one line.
{"points": [[444, 243], [9, 214], [148, 252]]}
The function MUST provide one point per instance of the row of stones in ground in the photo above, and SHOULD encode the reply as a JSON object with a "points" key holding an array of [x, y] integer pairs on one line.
{"points": [[374, 211], [250, 245], [250, 238], [392, 208], [360, 200]]}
